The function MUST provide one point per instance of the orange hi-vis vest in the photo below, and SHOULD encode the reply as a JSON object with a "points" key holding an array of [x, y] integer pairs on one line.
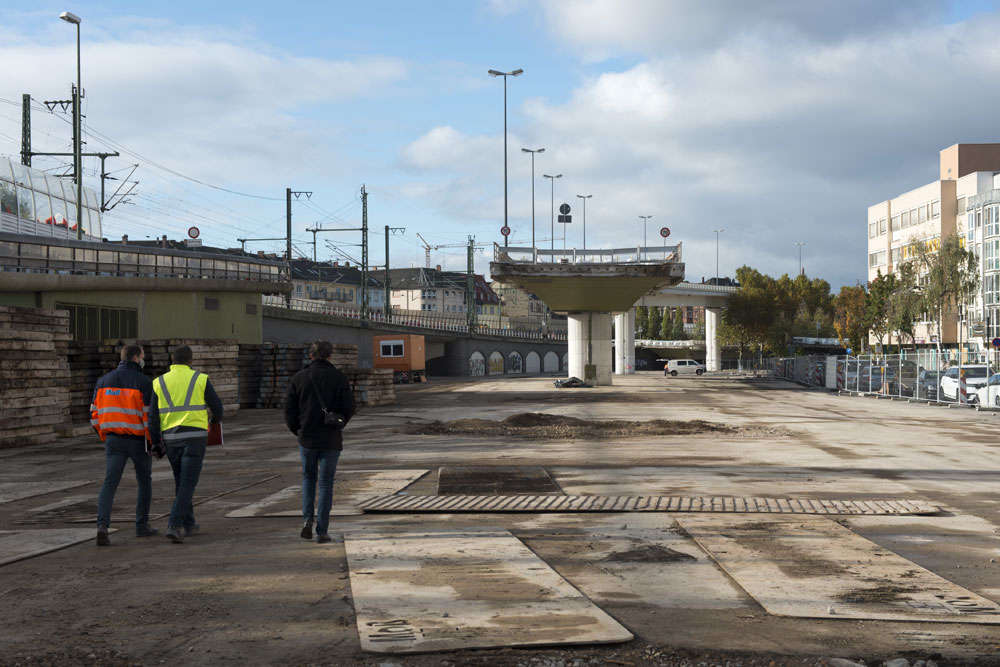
{"points": [[121, 411]]}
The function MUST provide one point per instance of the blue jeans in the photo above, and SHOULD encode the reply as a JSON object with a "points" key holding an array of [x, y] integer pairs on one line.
{"points": [[117, 451], [186, 458], [318, 464]]}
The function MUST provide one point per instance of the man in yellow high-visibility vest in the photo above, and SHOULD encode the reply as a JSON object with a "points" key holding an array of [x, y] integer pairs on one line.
{"points": [[185, 396]]}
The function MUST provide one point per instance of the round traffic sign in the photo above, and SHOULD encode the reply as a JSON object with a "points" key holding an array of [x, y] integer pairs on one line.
{"points": [[505, 230], [564, 209], [194, 232], [996, 343], [664, 232]]}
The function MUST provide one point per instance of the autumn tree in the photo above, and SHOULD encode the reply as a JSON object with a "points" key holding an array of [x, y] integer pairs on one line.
{"points": [[849, 319], [948, 276]]}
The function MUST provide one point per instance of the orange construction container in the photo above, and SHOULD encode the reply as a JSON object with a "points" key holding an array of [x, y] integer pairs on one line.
{"points": [[404, 354]]}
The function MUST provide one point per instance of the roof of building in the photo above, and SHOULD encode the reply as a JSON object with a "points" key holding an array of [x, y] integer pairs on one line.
{"points": [[421, 278], [330, 272]]}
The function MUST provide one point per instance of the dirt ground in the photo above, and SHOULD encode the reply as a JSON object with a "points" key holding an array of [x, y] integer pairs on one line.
{"points": [[250, 591]]}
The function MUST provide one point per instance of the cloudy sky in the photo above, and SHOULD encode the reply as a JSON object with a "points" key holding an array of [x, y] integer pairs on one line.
{"points": [[778, 121]]}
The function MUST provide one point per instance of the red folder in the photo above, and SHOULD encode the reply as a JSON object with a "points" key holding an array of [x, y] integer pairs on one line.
{"points": [[214, 434]]}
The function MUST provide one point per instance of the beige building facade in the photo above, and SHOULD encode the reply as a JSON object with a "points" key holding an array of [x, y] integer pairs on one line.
{"points": [[929, 213]]}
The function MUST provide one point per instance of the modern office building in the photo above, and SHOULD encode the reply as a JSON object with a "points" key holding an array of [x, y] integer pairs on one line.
{"points": [[965, 201]]}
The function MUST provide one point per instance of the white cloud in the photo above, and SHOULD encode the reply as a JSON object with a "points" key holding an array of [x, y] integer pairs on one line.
{"points": [[776, 140]]}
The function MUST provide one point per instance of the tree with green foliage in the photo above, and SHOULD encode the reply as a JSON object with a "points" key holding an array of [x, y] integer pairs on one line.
{"points": [[880, 291], [654, 323], [677, 330], [642, 322], [667, 325], [948, 276], [905, 304]]}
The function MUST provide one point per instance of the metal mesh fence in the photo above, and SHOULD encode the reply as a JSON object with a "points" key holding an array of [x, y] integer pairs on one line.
{"points": [[923, 375]]}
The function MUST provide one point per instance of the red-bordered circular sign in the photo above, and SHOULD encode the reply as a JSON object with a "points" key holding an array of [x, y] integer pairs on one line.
{"points": [[194, 232], [505, 230], [664, 232]]}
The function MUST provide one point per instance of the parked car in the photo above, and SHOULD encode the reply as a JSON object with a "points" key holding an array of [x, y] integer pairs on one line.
{"points": [[680, 366], [975, 377], [927, 384], [989, 395]]}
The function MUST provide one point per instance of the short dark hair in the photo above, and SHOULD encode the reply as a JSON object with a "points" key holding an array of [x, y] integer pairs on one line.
{"points": [[181, 355], [321, 349], [130, 352]]}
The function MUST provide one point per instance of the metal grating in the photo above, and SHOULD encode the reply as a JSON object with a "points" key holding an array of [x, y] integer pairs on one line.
{"points": [[399, 504]]}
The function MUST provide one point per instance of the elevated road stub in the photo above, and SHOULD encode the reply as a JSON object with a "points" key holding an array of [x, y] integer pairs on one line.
{"points": [[589, 286]]}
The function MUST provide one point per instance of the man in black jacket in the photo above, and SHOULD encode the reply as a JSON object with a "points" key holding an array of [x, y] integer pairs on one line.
{"points": [[319, 404]]}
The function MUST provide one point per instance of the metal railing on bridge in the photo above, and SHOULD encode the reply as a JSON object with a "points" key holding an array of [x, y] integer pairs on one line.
{"points": [[419, 319], [633, 255]]}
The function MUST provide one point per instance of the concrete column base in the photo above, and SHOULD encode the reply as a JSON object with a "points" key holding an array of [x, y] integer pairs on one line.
{"points": [[713, 351], [625, 343], [590, 347]]}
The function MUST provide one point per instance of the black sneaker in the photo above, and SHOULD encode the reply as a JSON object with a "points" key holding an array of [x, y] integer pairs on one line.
{"points": [[146, 531], [323, 539], [192, 530], [102, 538], [174, 535], [307, 531]]}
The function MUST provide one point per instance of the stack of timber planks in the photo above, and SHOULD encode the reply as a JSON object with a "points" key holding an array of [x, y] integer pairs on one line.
{"points": [[265, 371], [372, 386], [34, 374], [216, 358]]}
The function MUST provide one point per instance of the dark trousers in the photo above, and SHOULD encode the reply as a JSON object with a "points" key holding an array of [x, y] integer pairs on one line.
{"points": [[117, 452], [186, 458], [318, 465]]}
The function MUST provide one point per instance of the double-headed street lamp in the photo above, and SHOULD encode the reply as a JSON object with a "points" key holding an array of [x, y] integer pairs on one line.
{"points": [[645, 219], [552, 180], [494, 72], [585, 198], [800, 244], [532, 151], [70, 17]]}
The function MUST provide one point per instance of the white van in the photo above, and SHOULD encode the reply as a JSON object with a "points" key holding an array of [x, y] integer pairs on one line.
{"points": [[677, 367]]}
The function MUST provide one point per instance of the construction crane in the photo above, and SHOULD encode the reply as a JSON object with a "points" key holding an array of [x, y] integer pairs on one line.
{"points": [[428, 248]]}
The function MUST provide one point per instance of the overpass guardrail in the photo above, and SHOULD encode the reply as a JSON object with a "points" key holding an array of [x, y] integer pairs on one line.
{"points": [[412, 318]]}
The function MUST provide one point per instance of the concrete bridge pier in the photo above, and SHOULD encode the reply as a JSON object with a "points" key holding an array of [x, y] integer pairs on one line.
{"points": [[713, 350], [625, 343], [589, 337]]}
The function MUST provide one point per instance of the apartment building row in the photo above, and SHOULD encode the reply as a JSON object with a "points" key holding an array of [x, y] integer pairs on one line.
{"points": [[965, 200]]}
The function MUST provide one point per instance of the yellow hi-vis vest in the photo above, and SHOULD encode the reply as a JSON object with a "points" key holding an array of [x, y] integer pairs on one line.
{"points": [[180, 394]]}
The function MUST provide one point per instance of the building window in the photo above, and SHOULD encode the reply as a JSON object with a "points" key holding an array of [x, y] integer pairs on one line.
{"points": [[961, 205], [391, 348], [882, 227], [99, 323], [897, 255], [876, 259], [211, 303], [251, 309], [895, 223], [922, 213], [935, 209]]}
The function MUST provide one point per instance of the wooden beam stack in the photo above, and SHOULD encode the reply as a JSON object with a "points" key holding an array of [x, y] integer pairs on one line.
{"points": [[34, 374], [372, 386]]}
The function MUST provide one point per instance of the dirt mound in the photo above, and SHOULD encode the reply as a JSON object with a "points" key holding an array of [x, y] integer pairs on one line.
{"points": [[547, 426]]}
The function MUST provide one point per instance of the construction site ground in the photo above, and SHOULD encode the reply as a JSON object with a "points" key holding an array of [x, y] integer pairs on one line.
{"points": [[250, 591]]}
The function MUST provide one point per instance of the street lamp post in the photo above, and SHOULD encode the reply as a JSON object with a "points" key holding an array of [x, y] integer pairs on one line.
{"points": [[494, 72], [800, 244], [70, 17], [585, 198], [552, 222], [532, 151], [645, 219], [717, 232]]}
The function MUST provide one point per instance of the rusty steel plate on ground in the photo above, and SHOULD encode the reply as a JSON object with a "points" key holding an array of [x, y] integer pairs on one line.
{"points": [[811, 567], [451, 590], [565, 503]]}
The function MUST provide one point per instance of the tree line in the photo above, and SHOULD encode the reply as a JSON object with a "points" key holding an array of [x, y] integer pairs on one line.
{"points": [[933, 281], [654, 323]]}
